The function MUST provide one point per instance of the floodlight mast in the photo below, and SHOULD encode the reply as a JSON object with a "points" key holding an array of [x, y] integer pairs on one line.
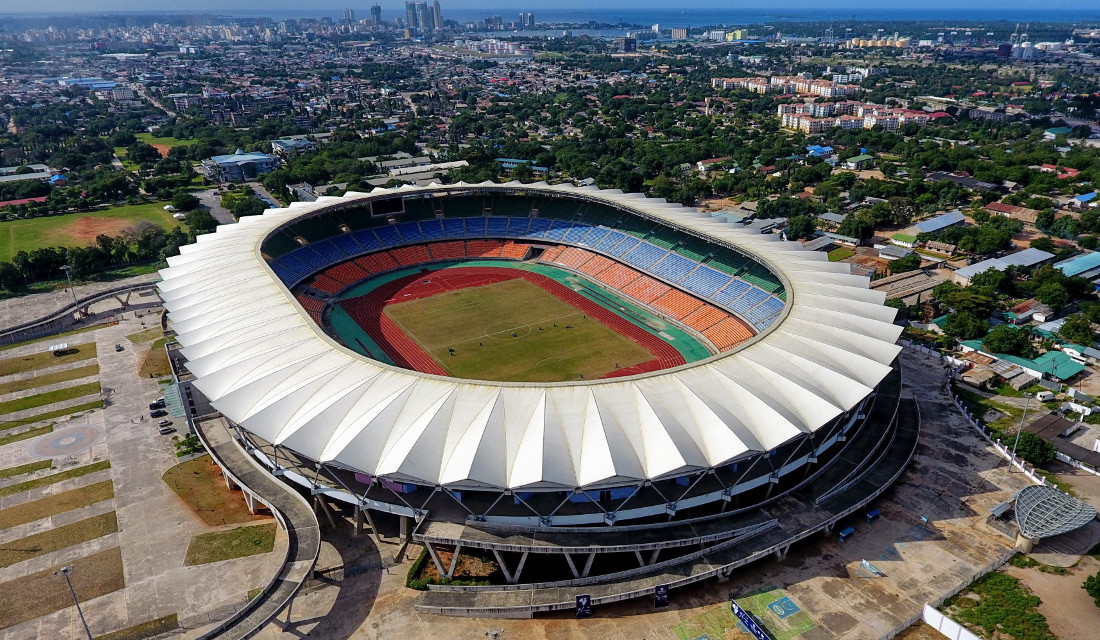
{"points": [[1019, 431], [66, 572]]}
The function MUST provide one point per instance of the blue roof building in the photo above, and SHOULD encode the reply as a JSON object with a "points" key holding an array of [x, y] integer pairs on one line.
{"points": [[941, 222], [238, 166], [1086, 266], [1085, 198]]}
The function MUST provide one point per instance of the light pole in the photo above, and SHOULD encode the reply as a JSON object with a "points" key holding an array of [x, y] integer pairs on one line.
{"points": [[66, 268], [66, 572], [1019, 431]]}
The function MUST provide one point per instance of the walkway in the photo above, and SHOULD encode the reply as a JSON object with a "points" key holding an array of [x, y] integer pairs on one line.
{"points": [[292, 511]]}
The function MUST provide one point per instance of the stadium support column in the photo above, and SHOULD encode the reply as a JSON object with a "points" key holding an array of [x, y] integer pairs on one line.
{"points": [[1024, 544]]}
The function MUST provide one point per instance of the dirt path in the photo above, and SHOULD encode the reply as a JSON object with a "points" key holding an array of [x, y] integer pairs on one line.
{"points": [[1070, 612]]}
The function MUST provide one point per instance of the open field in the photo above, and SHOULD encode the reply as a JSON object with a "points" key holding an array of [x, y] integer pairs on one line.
{"points": [[49, 378], [77, 229], [55, 504], [44, 359], [50, 397], [513, 330], [231, 543], [59, 538], [836, 255], [156, 363], [145, 335], [51, 339], [40, 593], [30, 467], [48, 415], [57, 477], [162, 145], [200, 485], [29, 433]]}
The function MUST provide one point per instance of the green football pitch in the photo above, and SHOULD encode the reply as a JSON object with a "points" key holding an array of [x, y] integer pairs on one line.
{"points": [[513, 331]]}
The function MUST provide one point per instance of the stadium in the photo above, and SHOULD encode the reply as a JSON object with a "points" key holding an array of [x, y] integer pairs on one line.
{"points": [[599, 389]]}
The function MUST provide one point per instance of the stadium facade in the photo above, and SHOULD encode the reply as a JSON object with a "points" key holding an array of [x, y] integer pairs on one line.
{"points": [[774, 413]]}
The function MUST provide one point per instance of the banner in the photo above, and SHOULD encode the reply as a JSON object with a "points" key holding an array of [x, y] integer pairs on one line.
{"points": [[660, 596], [584, 606], [748, 621]]}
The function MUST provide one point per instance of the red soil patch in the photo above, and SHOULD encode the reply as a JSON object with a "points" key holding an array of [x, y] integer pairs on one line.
{"points": [[84, 230], [162, 149]]}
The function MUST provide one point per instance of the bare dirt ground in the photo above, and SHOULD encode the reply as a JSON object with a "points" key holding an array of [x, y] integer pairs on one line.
{"points": [[1070, 612], [162, 149], [920, 631], [87, 228]]}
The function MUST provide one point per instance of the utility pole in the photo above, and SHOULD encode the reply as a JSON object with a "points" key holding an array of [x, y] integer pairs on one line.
{"points": [[1020, 430], [66, 572], [66, 268]]}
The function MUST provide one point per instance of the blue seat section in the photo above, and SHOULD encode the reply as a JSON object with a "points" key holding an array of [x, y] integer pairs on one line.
{"points": [[431, 229], [311, 257], [497, 227], [706, 281], [538, 228], [754, 297], [454, 228], [758, 314], [367, 239], [329, 252], [517, 227], [767, 322], [594, 237], [475, 227], [410, 232], [558, 229], [388, 235], [644, 255], [628, 243], [609, 241], [574, 235], [726, 296], [673, 267], [346, 244], [290, 269]]}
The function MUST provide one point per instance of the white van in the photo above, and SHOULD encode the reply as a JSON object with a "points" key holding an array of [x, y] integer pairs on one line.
{"points": [[1044, 396]]}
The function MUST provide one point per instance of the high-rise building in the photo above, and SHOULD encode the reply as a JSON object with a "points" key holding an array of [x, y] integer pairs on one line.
{"points": [[376, 15], [423, 17], [349, 15], [522, 20], [530, 20], [679, 33], [410, 14], [437, 15]]}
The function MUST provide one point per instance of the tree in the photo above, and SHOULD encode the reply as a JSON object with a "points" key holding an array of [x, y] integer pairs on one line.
{"points": [[1006, 339], [184, 201], [139, 153], [1092, 587], [1078, 330], [908, 263], [1052, 294], [800, 227], [250, 206], [965, 326], [1043, 244], [1034, 449]]}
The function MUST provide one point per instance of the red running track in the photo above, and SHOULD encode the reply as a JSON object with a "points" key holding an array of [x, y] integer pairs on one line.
{"points": [[368, 313]]}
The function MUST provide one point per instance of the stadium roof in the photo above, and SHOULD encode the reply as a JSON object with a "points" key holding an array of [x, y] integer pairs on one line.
{"points": [[268, 367], [1043, 511]]}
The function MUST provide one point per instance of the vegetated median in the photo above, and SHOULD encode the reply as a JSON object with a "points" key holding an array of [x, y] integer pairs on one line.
{"points": [[68, 474], [45, 359], [50, 397], [30, 467], [25, 435], [48, 415], [40, 593], [55, 504], [61, 537], [49, 378], [239, 542]]}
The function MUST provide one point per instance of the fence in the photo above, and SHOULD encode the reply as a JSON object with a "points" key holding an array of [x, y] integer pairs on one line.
{"points": [[946, 626]]}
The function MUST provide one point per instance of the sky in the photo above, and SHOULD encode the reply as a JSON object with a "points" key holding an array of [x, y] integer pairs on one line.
{"points": [[395, 7]]}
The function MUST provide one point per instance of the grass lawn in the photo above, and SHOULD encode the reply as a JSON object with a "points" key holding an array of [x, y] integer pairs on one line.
{"points": [[48, 415], [1004, 608], [50, 397], [52, 339], [57, 477], [44, 359], [40, 593], [719, 623], [156, 363], [145, 335], [55, 504], [200, 484], [49, 378], [506, 331], [836, 255], [30, 467], [58, 538], [29, 433], [147, 629], [229, 544], [979, 405], [77, 229]]}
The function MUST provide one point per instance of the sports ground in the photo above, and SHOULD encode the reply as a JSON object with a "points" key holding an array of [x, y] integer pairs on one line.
{"points": [[522, 323]]}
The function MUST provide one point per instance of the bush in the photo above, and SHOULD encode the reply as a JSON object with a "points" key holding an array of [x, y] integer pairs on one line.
{"points": [[1034, 449], [412, 580], [1092, 587], [184, 201]]}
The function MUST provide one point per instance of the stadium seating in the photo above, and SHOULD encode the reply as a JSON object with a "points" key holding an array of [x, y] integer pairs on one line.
{"points": [[279, 244], [705, 281], [672, 267], [514, 250], [577, 233], [764, 310], [573, 258], [454, 228], [762, 278], [550, 254], [734, 290], [344, 242], [665, 237], [409, 232], [705, 317], [728, 333], [593, 237], [346, 273], [751, 298], [484, 248], [497, 227], [646, 289], [453, 250], [388, 235], [310, 257], [411, 255], [596, 265], [290, 269], [329, 251], [312, 305], [324, 283], [677, 304], [376, 262], [431, 229], [623, 246], [418, 209], [617, 276], [644, 255], [558, 230], [314, 228], [609, 242], [517, 227], [367, 239], [475, 227]]}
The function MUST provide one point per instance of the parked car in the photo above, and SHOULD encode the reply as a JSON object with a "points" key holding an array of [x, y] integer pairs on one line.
{"points": [[159, 413], [156, 405], [118, 347], [166, 430], [164, 423]]}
